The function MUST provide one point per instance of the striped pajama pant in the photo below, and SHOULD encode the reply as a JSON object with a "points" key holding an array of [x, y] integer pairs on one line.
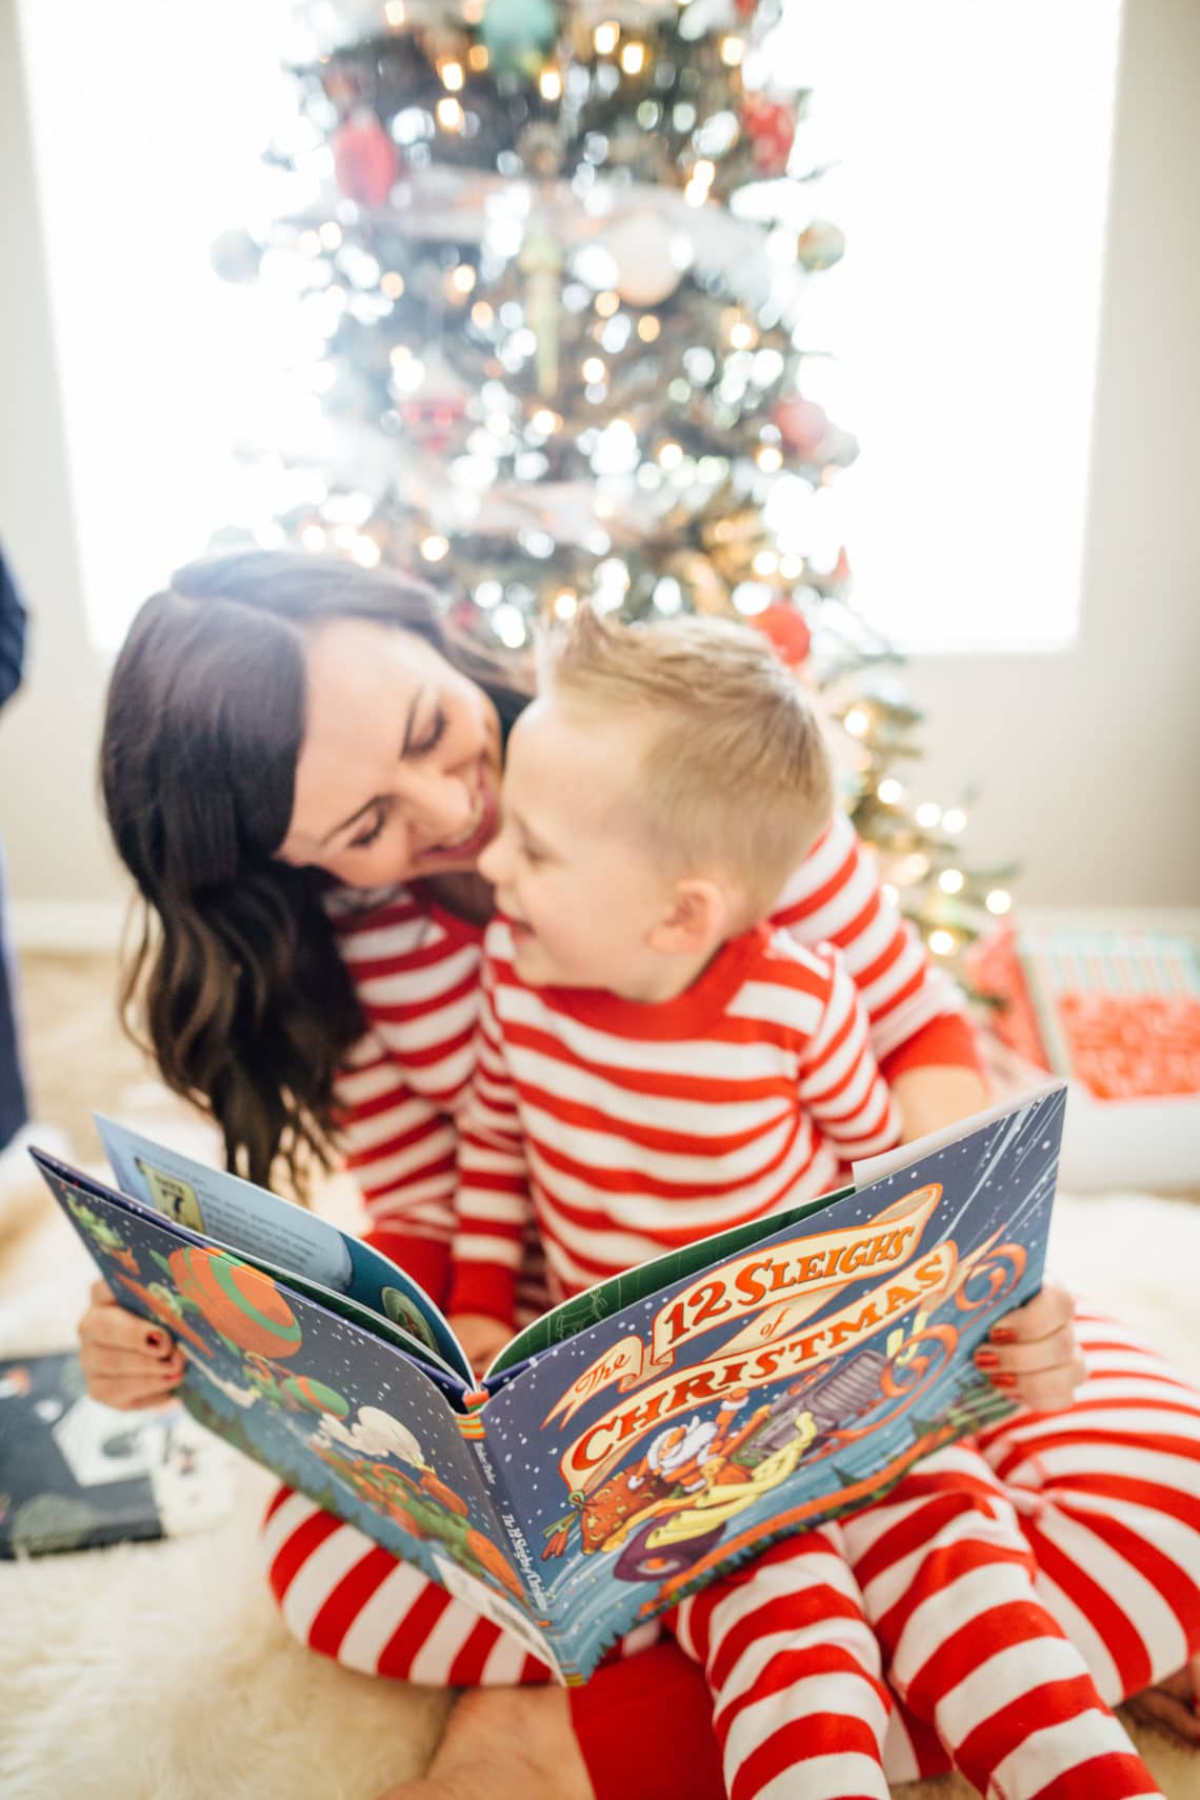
{"points": [[986, 1613]]}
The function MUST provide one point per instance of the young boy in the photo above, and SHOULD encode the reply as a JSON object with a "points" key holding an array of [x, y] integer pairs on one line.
{"points": [[656, 1065]]}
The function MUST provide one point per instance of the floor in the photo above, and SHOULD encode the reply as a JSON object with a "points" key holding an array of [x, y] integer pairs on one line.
{"points": [[78, 1059]]}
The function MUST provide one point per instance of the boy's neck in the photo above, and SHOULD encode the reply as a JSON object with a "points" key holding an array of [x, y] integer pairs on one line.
{"points": [[665, 978]]}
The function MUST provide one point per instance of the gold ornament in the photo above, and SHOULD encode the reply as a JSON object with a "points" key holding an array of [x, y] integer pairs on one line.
{"points": [[541, 263]]}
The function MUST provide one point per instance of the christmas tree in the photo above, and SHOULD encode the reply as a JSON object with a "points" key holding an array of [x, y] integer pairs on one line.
{"points": [[552, 260]]}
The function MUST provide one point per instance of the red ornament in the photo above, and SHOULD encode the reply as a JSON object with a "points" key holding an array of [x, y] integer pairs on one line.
{"points": [[432, 420], [365, 161], [787, 629], [770, 127], [803, 426]]}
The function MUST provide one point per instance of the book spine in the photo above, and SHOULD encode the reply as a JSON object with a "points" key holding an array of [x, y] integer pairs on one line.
{"points": [[474, 1433]]}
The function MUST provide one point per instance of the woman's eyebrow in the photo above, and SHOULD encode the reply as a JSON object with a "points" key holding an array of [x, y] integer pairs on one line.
{"points": [[376, 798]]}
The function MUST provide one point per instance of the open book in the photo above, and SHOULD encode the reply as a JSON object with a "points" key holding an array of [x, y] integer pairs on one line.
{"points": [[637, 1440]]}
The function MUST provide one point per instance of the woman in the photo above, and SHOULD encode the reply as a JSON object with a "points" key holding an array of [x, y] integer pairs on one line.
{"points": [[300, 769]]}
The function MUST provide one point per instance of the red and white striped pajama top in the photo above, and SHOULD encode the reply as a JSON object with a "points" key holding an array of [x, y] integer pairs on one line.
{"points": [[633, 1129]]}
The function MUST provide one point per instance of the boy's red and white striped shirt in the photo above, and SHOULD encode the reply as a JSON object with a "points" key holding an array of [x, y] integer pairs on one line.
{"points": [[415, 969], [631, 1129]]}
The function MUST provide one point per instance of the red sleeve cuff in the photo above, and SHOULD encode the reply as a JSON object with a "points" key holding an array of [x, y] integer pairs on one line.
{"points": [[949, 1041], [427, 1260], [481, 1287]]}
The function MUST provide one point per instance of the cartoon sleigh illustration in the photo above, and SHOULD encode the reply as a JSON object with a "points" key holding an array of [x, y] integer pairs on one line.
{"points": [[667, 1513]]}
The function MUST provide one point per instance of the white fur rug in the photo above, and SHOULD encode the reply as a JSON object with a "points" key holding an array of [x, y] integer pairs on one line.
{"points": [[162, 1672]]}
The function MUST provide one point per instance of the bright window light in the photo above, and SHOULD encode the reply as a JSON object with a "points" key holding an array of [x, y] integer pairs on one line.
{"points": [[973, 145], [148, 123], [973, 141]]}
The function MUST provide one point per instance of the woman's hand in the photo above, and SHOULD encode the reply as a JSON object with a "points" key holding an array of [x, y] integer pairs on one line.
{"points": [[126, 1362], [481, 1336], [1032, 1353]]}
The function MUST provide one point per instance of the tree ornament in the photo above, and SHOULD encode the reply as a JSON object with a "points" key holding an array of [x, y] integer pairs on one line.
{"points": [[539, 149], [365, 160], [770, 127], [541, 262], [803, 426], [700, 581], [235, 256], [518, 35], [820, 245], [650, 259], [431, 418], [345, 84], [787, 629], [431, 413]]}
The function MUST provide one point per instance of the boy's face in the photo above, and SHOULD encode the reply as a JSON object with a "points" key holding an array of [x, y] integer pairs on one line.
{"points": [[568, 864]]}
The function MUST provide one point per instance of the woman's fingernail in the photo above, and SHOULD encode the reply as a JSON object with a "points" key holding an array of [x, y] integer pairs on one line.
{"points": [[987, 1359], [155, 1339], [1003, 1381], [1002, 1335]]}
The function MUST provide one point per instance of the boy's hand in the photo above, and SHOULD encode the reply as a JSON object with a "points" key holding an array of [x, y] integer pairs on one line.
{"points": [[126, 1362], [1033, 1354], [481, 1336]]}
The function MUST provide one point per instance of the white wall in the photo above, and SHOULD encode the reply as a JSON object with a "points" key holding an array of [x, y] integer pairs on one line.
{"points": [[55, 844], [1089, 760]]}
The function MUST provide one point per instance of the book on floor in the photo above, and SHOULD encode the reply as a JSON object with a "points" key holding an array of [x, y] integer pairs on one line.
{"points": [[637, 1440], [75, 1475]]}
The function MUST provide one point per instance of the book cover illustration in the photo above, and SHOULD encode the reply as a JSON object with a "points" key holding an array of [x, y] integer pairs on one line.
{"points": [[364, 1429], [649, 1434], [75, 1475], [776, 1390]]}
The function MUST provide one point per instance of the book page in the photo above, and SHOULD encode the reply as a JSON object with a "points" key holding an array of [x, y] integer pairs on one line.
{"points": [[247, 1218]]}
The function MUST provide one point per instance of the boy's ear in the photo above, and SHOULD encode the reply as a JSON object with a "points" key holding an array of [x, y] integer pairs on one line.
{"points": [[698, 918]]}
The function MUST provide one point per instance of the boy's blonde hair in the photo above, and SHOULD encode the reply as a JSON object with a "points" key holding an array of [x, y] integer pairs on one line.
{"points": [[736, 776]]}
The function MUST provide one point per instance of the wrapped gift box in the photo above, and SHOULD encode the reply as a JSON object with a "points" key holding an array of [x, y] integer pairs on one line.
{"points": [[1116, 1009]]}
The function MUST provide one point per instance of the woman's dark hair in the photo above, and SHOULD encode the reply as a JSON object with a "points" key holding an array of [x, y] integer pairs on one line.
{"points": [[242, 995]]}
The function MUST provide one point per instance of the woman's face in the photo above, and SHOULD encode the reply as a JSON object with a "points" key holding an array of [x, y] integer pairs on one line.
{"points": [[399, 769]]}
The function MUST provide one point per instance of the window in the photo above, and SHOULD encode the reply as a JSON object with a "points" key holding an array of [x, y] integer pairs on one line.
{"points": [[148, 121], [974, 142]]}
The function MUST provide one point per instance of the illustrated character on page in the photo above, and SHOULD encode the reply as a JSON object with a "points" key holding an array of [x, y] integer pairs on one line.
{"points": [[420, 1502], [172, 1196], [104, 1235]]}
